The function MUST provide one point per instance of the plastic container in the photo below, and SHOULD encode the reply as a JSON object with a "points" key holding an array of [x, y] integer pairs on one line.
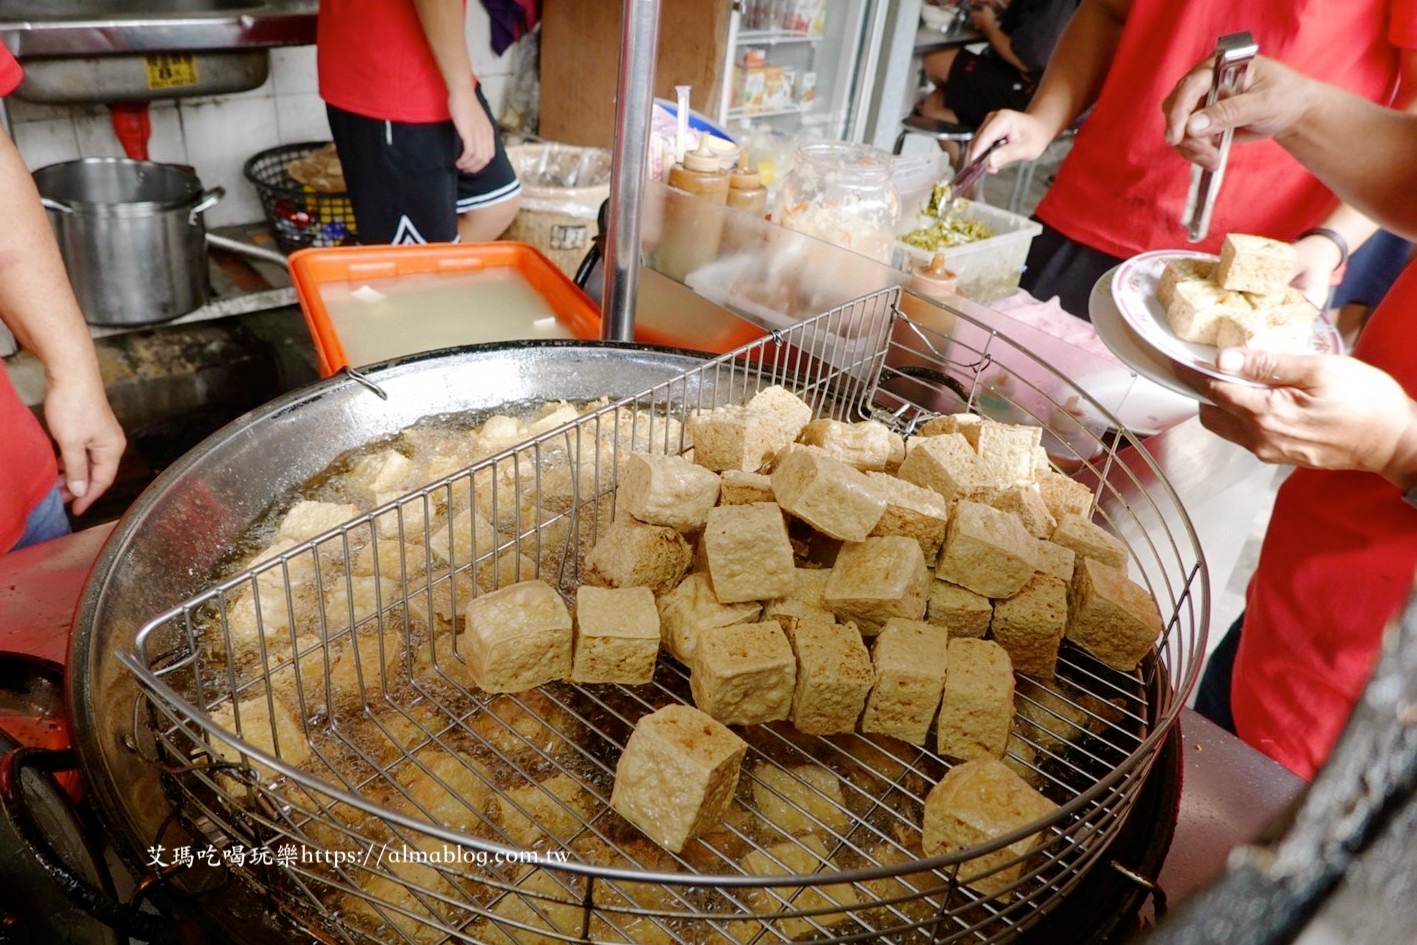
{"points": [[844, 194], [378, 267], [915, 176], [987, 269], [563, 187]]}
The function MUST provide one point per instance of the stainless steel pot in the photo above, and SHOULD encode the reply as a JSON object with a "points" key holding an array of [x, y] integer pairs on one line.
{"points": [[132, 236]]}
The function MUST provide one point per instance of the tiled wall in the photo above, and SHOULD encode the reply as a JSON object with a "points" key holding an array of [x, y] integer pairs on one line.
{"points": [[216, 135]]}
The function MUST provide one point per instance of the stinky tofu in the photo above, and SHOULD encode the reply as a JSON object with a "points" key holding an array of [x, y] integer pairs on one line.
{"points": [[800, 799], [518, 638], [616, 635], [744, 674], [1090, 540], [877, 579], [867, 445], [1255, 264], [827, 494], [691, 609], [737, 487], [987, 551], [977, 709], [946, 464], [632, 554], [958, 609], [912, 511], [748, 553], [1030, 624], [668, 490], [1110, 616], [909, 659], [834, 676]]}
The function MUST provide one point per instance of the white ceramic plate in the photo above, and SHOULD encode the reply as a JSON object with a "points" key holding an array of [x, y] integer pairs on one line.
{"points": [[1134, 285]]}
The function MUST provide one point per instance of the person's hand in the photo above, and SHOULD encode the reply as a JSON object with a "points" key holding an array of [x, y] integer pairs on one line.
{"points": [[89, 438], [474, 128], [1273, 102], [1026, 138], [1325, 412], [1319, 258]]}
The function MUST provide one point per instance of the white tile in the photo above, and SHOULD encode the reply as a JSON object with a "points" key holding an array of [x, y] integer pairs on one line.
{"points": [[293, 70], [479, 44], [42, 143], [22, 112], [220, 138], [167, 143], [301, 118], [96, 136]]}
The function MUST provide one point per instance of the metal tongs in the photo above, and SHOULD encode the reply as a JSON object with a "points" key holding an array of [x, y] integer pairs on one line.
{"points": [[967, 178], [1233, 54]]}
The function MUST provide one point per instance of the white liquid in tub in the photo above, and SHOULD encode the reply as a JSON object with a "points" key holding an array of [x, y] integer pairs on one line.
{"points": [[379, 319]]}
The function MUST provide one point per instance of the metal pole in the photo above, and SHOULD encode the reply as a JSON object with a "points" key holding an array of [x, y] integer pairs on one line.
{"points": [[634, 102]]}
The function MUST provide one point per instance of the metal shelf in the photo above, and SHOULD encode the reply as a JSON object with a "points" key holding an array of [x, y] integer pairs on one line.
{"points": [[774, 37], [735, 114]]}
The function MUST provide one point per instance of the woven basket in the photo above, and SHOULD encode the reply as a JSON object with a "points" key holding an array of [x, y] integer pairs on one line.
{"points": [[299, 216], [563, 187]]}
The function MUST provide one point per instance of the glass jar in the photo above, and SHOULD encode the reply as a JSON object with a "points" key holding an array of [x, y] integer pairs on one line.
{"points": [[844, 194]]}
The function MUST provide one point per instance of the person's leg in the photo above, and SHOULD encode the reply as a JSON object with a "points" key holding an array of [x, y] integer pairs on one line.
{"points": [[400, 177], [937, 64], [488, 201], [46, 520], [1213, 693]]}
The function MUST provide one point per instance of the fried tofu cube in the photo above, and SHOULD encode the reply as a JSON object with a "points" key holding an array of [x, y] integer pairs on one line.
{"points": [[527, 727], [790, 613], [748, 553], [744, 488], [975, 802], [746, 437], [1063, 494], [267, 726], [947, 464], [409, 517], [1196, 310], [387, 902], [807, 601], [1090, 540], [909, 659], [691, 610], [467, 536], [798, 857], [827, 494], [834, 675], [384, 471], [518, 638], [555, 810], [1111, 616], [677, 775], [868, 445], [1030, 624], [1055, 560], [667, 490], [1235, 331], [1255, 264], [1177, 271], [306, 519], [744, 674], [977, 708], [1288, 307], [966, 425], [987, 551], [800, 799], [958, 609], [452, 790], [1007, 450], [1025, 501], [877, 579], [616, 635], [632, 554], [912, 511], [372, 663]]}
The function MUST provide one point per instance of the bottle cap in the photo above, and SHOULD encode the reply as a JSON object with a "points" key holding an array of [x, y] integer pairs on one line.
{"points": [[745, 176], [935, 278], [702, 158]]}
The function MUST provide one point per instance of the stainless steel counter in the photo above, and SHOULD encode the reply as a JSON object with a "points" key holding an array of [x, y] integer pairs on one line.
{"points": [[31, 28]]}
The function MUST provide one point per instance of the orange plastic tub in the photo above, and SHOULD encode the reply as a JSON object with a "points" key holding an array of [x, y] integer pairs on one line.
{"points": [[379, 268]]}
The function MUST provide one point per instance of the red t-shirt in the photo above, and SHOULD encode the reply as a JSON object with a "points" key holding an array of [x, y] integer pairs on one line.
{"points": [[1122, 190], [1337, 563], [374, 61], [27, 467]]}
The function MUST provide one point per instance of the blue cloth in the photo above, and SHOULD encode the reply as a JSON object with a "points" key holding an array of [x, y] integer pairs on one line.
{"points": [[1373, 269], [1213, 695], [46, 520]]}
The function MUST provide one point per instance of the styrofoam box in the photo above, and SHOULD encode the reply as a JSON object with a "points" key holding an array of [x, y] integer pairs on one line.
{"points": [[988, 269]]}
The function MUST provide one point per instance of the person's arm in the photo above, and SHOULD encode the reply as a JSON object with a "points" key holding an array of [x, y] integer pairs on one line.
{"points": [[38, 305], [986, 21], [442, 22], [1361, 151], [1325, 412], [1070, 84]]}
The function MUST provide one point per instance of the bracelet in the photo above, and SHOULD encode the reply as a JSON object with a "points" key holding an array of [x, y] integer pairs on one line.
{"points": [[1333, 236]]}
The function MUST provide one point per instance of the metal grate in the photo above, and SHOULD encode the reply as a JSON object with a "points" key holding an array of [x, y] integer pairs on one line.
{"points": [[385, 747]]}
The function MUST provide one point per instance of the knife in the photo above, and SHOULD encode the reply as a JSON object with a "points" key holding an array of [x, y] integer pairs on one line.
{"points": [[1233, 54]]}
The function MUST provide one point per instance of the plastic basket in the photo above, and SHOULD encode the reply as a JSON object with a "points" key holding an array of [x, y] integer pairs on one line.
{"points": [[299, 216], [562, 188]]}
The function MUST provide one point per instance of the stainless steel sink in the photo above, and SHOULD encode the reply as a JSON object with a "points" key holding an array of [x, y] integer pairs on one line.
{"points": [[77, 51], [38, 28]]}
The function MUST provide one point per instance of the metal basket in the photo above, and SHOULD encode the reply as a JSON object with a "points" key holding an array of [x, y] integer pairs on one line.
{"points": [[299, 216], [409, 759]]}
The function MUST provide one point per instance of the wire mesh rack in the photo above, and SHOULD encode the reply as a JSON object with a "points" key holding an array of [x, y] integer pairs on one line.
{"points": [[316, 705]]}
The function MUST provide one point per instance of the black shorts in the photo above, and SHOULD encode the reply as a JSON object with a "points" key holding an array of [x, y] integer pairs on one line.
{"points": [[980, 83], [402, 178]]}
